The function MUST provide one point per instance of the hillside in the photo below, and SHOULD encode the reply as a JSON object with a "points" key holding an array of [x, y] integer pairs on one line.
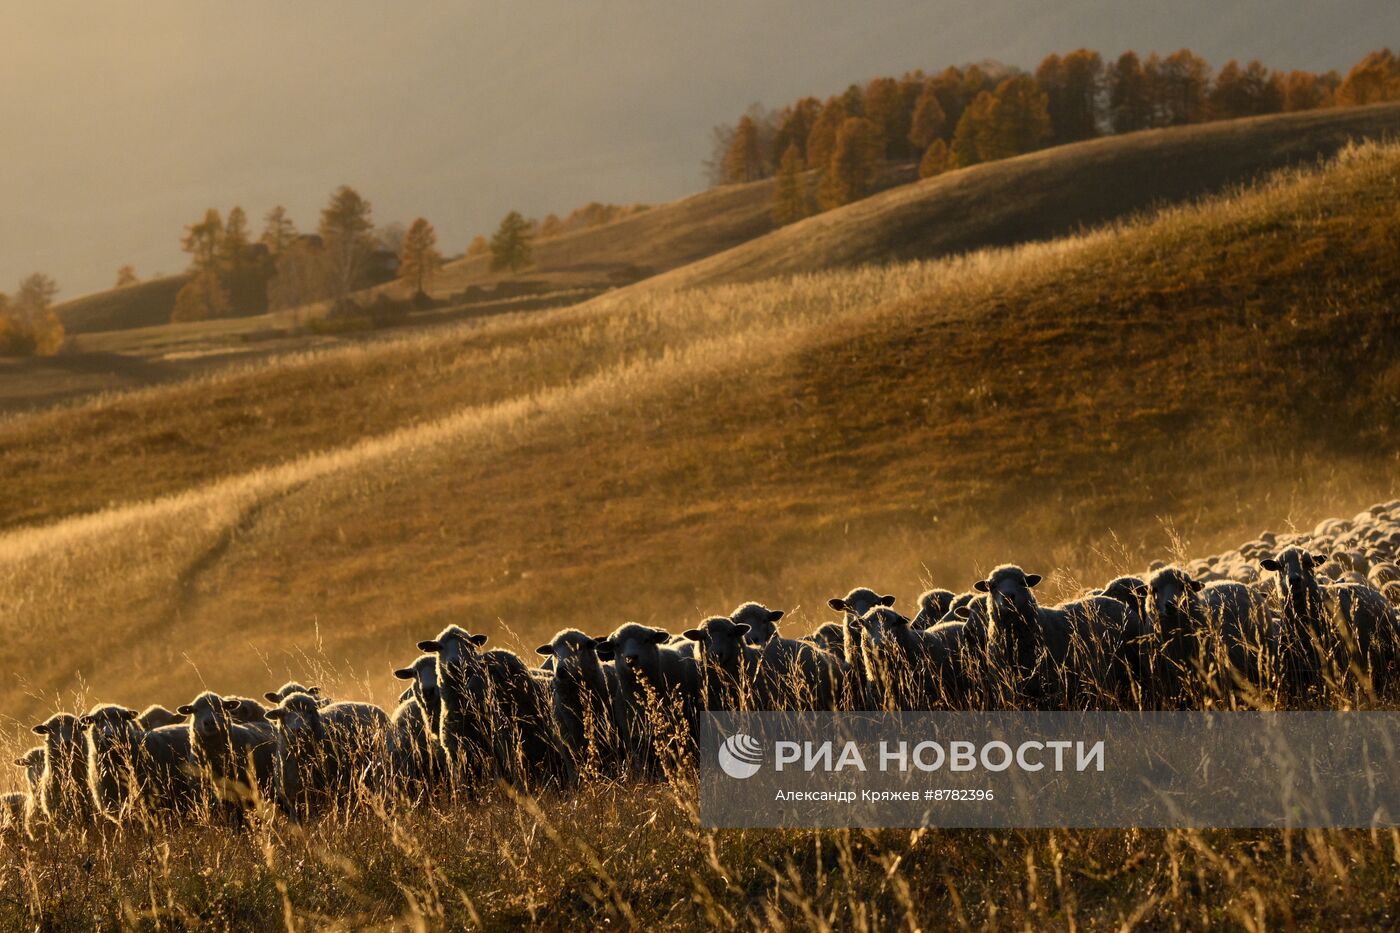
{"points": [[144, 304], [660, 456], [1045, 194]]}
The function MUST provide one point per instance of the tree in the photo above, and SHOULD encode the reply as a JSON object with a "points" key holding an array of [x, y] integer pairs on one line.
{"points": [[1245, 92], [971, 128], [821, 142], [1303, 90], [790, 191], [1017, 121], [233, 246], [479, 246], [418, 257], [345, 234], [202, 241], [884, 109], [794, 126], [744, 160], [1081, 94], [510, 246], [929, 119], [551, 226], [1181, 84], [1373, 79], [938, 158], [28, 325], [1129, 102], [302, 275], [126, 275], [201, 298], [278, 231], [855, 163]]}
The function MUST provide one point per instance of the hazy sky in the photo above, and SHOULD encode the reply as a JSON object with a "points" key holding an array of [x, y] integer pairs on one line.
{"points": [[122, 120]]}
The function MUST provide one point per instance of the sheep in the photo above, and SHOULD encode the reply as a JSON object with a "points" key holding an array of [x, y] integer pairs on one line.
{"points": [[654, 683], [762, 621], [62, 793], [933, 606], [237, 760], [1198, 630], [731, 673], [423, 673], [910, 668], [415, 756], [852, 606], [581, 697], [326, 753], [290, 687], [493, 711], [830, 637], [1351, 623], [245, 709], [1074, 649], [156, 716], [32, 761], [129, 766]]}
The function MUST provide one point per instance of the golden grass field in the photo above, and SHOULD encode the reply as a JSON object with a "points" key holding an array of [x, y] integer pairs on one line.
{"points": [[1165, 386]]}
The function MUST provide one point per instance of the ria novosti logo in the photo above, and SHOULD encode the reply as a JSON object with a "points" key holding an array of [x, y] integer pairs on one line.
{"points": [[740, 756]]}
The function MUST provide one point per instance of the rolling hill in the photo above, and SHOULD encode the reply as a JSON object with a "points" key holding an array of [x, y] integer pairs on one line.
{"points": [[145, 304], [657, 456]]}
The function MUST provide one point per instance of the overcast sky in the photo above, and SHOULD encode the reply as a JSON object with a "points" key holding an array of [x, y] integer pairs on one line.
{"points": [[122, 120]]}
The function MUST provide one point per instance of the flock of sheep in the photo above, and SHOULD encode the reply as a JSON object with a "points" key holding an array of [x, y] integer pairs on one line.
{"points": [[1284, 620]]}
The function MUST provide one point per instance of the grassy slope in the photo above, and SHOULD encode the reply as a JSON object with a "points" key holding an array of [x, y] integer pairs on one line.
{"points": [[1045, 194], [1049, 405], [144, 304]]}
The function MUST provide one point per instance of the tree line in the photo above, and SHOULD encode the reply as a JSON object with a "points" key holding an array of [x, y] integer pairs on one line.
{"points": [[28, 325], [963, 116]]}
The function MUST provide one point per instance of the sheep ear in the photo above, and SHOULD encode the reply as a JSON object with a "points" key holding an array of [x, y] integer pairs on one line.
{"points": [[272, 697], [775, 615], [21, 762], [886, 600], [130, 714], [1197, 586], [659, 636], [545, 649], [981, 586], [837, 603], [477, 640], [1269, 563], [314, 691], [187, 709], [232, 704], [604, 649], [696, 634], [1032, 579], [1320, 558], [1140, 591], [40, 729], [962, 612], [1096, 591], [275, 714], [742, 629], [430, 646], [403, 673]]}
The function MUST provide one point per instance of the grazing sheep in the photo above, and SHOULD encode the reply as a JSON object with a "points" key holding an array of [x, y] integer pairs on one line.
{"points": [[326, 754], [762, 621], [654, 683], [415, 755], [581, 697], [62, 794], [933, 606], [1347, 623], [131, 767], [237, 760], [156, 716], [493, 711]]}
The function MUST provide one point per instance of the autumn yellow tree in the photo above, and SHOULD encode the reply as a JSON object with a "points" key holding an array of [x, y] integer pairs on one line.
{"points": [[201, 298], [479, 246], [929, 120], [418, 257], [202, 241], [744, 160], [278, 230], [854, 166], [126, 275], [1373, 79], [510, 246], [790, 190], [967, 148], [1129, 101], [346, 230], [938, 158], [1018, 120], [821, 141]]}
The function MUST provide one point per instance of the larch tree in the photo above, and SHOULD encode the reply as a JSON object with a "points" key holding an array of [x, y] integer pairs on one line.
{"points": [[278, 230], [1182, 86], [855, 164], [28, 325], [1017, 122], [972, 127], [510, 246], [1129, 102], [1303, 90], [1245, 92], [744, 160], [126, 275], [202, 241], [345, 230], [821, 142], [201, 298], [938, 158], [790, 190], [884, 109], [419, 259], [479, 246], [1374, 79], [929, 119], [794, 126], [1081, 90]]}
